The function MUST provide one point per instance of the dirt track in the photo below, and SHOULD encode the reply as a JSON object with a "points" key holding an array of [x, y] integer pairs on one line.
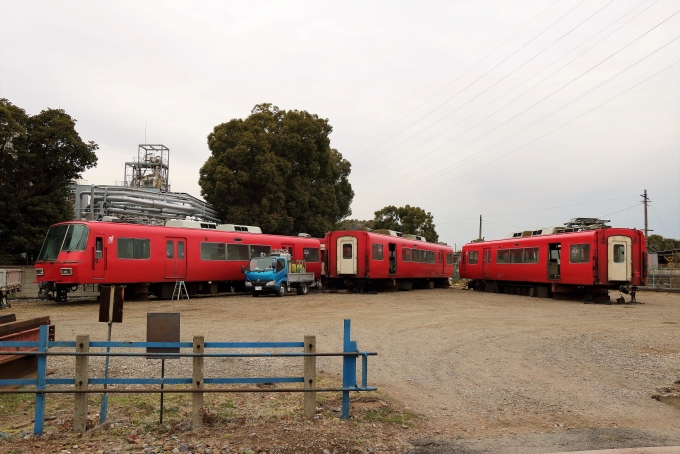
{"points": [[488, 370]]}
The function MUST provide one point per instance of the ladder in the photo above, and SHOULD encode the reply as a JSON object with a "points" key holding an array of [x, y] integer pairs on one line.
{"points": [[179, 288]]}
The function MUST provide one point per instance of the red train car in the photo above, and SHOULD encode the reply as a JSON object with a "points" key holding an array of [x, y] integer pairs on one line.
{"points": [[375, 261], [588, 262], [152, 258]]}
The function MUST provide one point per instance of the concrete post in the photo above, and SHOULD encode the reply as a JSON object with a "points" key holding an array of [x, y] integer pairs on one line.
{"points": [[310, 377], [82, 363], [197, 383]]}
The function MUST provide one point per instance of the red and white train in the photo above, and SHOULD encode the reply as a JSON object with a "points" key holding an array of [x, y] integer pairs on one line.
{"points": [[208, 258], [382, 260], [152, 259], [588, 262]]}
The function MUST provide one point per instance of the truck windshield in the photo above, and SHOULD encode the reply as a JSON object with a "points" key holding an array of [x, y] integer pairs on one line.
{"points": [[72, 237], [260, 264]]}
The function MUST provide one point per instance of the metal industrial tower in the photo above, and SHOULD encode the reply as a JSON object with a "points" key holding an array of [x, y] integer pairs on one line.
{"points": [[151, 168]]}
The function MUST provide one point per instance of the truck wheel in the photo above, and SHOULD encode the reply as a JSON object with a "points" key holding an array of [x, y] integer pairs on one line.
{"points": [[282, 290], [302, 289]]}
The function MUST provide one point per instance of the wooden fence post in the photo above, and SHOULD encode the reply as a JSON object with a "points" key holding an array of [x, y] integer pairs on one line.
{"points": [[197, 383], [81, 378], [310, 377]]}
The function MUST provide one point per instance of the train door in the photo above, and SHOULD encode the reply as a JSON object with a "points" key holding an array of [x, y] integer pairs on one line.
{"points": [[441, 262], [98, 262], [486, 263], [619, 257], [347, 255], [323, 259], [392, 256], [175, 258], [554, 260]]}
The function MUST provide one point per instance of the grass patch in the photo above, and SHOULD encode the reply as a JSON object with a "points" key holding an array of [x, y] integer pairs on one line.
{"points": [[387, 415]]}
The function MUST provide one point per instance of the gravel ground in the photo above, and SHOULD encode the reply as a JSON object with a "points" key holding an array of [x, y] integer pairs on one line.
{"points": [[488, 372]]}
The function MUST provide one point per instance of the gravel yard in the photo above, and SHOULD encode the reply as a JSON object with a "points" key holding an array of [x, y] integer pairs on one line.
{"points": [[486, 371]]}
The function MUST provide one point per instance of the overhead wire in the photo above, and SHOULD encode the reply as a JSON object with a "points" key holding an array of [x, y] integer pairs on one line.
{"points": [[539, 209], [461, 106], [620, 211], [479, 78], [461, 63], [375, 181], [659, 218], [553, 130], [520, 131]]}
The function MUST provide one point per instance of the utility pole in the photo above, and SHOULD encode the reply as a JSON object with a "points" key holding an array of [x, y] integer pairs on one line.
{"points": [[645, 201], [480, 226]]}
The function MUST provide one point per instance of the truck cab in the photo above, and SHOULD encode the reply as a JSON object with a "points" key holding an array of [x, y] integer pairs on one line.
{"points": [[276, 273]]}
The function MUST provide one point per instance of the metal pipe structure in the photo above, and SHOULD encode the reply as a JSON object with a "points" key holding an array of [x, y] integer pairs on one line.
{"points": [[139, 205]]}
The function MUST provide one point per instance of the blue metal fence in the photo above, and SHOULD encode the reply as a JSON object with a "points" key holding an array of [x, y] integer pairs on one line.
{"points": [[41, 382]]}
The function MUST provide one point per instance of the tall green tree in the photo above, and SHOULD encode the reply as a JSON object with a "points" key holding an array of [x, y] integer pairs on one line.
{"points": [[39, 156], [659, 243], [276, 169], [406, 219]]}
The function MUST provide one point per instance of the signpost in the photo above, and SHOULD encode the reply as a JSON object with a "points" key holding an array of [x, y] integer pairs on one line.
{"points": [[110, 311], [162, 327]]}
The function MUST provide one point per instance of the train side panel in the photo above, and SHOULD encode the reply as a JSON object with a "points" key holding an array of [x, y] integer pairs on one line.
{"points": [[605, 258]]}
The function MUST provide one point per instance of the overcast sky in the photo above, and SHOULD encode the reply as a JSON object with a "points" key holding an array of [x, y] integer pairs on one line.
{"points": [[528, 112]]}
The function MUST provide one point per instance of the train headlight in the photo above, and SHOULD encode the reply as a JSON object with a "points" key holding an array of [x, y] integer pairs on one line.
{"points": [[249, 284], [66, 271], [39, 272]]}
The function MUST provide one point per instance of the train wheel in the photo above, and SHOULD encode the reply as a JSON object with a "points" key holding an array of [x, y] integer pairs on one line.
{"points": [[281, 291], [302, 289]]}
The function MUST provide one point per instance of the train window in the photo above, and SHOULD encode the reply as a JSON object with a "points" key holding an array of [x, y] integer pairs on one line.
{"points": [[238, 252], [168, 249], [76, 238], [619, 253], [98, 248], [516, 255], [579, 253], [406, 255], [347, 251], [213, 251], [133, 248], [449, 258], [503, 256], [473, 257], [377, 252], [180, 249], [531, 255], [259, 251], [433, 257], [311, 254]]}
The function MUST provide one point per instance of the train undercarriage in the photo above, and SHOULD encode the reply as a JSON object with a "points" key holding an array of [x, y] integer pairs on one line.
{"points": [[589, 294]]}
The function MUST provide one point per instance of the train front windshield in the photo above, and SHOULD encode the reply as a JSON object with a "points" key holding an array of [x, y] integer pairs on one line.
{"points": [[261, 264], [70, 237]]}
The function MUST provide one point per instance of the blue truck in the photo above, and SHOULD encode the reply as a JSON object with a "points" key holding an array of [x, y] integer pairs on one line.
{"points": [[277, 274]]}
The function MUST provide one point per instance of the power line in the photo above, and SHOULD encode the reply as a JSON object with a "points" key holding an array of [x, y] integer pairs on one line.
{"points": [[659, 218], [550, 114], [553, 130], [375, 181], [480, 77], [625, 209], [461, 106], [539, 209], [461, 75]]}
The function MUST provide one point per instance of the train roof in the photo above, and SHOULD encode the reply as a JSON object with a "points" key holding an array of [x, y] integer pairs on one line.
{"points": [[228, 228], [549, 235]]}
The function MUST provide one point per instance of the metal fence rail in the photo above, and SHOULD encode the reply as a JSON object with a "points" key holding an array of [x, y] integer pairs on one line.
{"points": [[81, 381], [664, 278]]}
